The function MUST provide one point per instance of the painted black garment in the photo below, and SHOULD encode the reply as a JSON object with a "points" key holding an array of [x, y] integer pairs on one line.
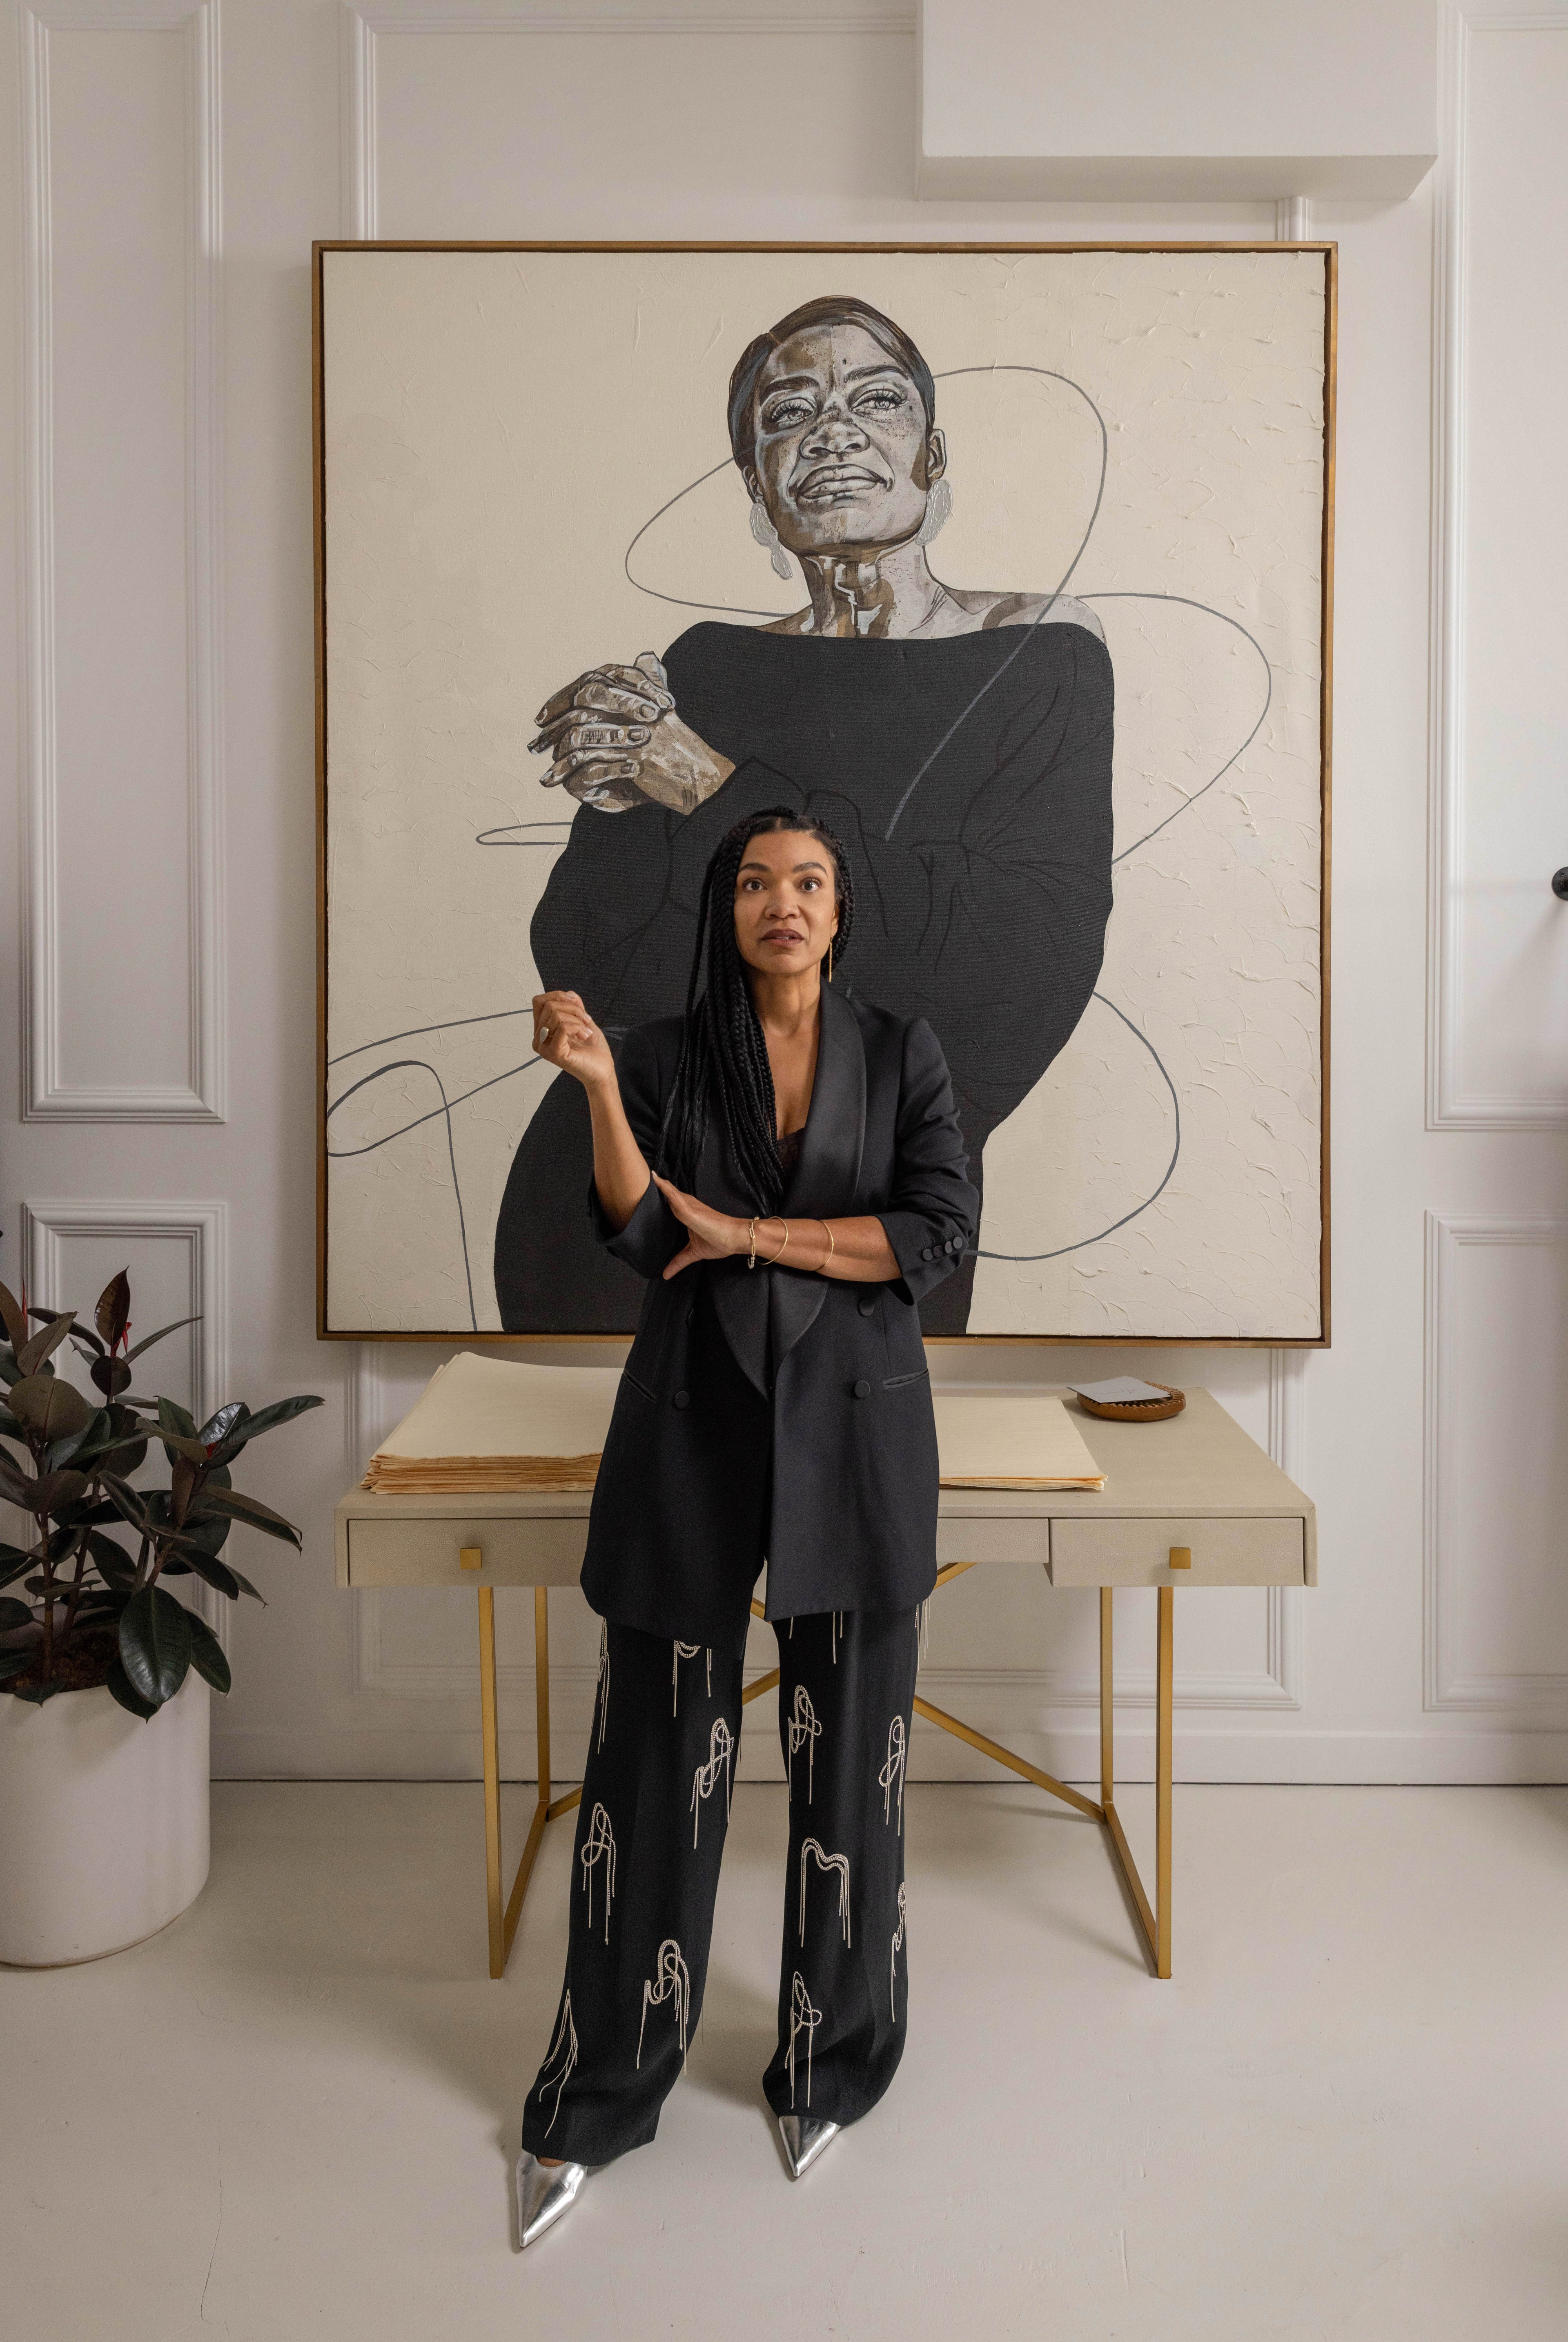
{"points": [[646, 1870], [984, 912]]}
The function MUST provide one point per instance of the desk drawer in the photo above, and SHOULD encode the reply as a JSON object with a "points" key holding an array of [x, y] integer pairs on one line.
{"points": [[426, 1553], [993, 1539], [1137, 1553]]}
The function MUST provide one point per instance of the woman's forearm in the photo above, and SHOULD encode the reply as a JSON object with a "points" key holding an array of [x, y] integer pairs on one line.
{"points": [[621, 1172], [859, 1253]]}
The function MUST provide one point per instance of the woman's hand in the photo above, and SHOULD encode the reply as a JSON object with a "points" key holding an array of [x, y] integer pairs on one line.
{"points": [[615, 742], [566, 1037], [709, 1235]]}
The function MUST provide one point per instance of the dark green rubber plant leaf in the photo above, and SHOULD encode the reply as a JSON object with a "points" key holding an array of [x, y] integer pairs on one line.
{"points": [[206, 1565], [34, 1353], [248, 1509], [13, 1317], [147, 1342], [113, 1310], [207, 1655], [248, 1427], [48, 1407], [120, 1686], [155, 1643]]}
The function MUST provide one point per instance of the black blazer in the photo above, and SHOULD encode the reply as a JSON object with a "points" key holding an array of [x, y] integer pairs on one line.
{"points": [[735, 1370]]}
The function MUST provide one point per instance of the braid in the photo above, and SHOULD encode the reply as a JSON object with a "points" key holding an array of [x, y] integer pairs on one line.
{"points": [[724, 1066]]}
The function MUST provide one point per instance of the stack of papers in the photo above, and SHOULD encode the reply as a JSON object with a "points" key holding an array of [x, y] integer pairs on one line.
{"points": [[484, 1427], [990, 1439]]}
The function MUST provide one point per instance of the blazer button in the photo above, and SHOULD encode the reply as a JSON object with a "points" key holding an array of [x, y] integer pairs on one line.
{"points": [[863, 1390], [929, 1253], [682, 1398], [865, 1304]]}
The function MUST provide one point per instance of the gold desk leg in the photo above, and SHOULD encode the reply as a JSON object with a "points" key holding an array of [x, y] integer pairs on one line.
{"points": [[502, 1924], [1005, 1756], [1107, 1698], [491, 1776], [1163, 1704], [1155, 1924]]}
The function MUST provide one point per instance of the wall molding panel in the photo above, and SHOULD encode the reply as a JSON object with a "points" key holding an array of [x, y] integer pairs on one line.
{"points": [[1533, 1700], [1449, 1105], [48, 1095], [361, 28]]}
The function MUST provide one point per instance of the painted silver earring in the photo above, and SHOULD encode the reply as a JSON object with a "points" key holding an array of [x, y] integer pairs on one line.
{"points": [[938, 512], [768, 536]]}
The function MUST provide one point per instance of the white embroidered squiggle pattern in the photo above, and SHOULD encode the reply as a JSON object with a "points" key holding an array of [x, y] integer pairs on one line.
{"points": [[804, 1729], [599, 1851], [706, 1779], [603, 1677], [802, 2018], [681, 1651], [826, 1861], [669, 1981], [897, 1948], [894, 1771], [564, 2044]]}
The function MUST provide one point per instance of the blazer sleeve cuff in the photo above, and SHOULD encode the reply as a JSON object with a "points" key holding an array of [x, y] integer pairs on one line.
{"points": [[926, 1254], [651, 1237]]}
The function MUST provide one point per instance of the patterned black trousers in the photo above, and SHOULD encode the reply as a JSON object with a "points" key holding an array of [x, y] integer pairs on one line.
{"points": [[646, 1870]]}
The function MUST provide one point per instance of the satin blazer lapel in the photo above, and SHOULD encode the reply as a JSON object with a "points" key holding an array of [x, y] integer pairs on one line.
{"points": [[825, 1182], [740, 1295], [827, 1174]]}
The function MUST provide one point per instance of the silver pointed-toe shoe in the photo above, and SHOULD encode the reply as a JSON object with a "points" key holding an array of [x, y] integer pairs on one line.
{"points": [[543, 2194], [805, 2137]]}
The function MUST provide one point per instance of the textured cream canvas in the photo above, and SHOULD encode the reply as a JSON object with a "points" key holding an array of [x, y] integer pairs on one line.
{"points": [[526, 472]]}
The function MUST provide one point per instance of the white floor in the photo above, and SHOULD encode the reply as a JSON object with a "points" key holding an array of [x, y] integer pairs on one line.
{"points": [[293, 2113]]}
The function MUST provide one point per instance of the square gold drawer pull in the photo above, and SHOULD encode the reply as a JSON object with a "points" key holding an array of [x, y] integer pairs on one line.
{"points": [[472, 1556], [1180, 1557]]}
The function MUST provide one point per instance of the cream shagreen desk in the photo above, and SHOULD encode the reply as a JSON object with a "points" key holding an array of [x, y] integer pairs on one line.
{"points": [[1188, 1502]]}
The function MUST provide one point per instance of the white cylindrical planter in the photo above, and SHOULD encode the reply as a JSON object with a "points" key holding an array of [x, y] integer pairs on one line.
{"points": [[105, 1822]]}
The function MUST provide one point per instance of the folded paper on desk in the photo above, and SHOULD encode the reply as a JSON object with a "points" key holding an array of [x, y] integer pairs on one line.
{"points": [[990, 1439], [485, 1428]]}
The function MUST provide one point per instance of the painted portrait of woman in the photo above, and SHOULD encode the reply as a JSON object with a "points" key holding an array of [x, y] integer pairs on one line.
{"points": [[958, 740]]}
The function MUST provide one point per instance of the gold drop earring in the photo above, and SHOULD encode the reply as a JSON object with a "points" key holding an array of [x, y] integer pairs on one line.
{"points": [[830, 959]]}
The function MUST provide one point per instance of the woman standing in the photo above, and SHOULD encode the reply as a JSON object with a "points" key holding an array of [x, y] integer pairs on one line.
{"points": [[958, 740], [774, 1410]]}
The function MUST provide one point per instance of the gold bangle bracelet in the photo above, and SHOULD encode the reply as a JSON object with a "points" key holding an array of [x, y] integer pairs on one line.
{"points": [[831, 1247], [785, 1246]]}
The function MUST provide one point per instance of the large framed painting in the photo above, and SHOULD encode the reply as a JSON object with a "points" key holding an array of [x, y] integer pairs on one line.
{"points": [[1012, 563]]}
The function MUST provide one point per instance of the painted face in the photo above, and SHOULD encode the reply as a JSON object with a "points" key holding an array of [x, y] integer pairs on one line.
{"points": [[786, 903], [845, 461]]}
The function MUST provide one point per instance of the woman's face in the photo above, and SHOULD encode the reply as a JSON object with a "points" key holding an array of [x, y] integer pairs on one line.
{"points": [[845, 461], [786, 903]]}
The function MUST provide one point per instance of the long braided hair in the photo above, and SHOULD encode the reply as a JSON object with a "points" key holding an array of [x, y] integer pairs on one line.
{"points": [[724, 1066]]}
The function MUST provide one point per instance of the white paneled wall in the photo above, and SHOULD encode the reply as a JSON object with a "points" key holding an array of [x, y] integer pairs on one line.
{"points": [[176, 162]]}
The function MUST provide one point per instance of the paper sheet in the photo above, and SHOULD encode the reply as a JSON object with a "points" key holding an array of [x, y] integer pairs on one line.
{"points": [[1026, 1439]]}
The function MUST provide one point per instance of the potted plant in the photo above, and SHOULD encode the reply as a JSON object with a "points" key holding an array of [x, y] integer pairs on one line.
{"points": [[104, 1673]]}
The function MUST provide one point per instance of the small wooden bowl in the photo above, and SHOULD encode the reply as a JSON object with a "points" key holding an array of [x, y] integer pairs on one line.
{"points": [[1144, 1410]]}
